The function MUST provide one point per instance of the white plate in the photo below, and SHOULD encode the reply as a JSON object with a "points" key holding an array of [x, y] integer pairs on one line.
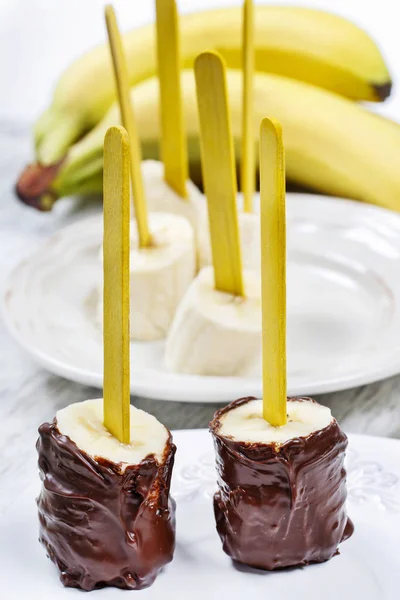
{"points": [[366, 568], [343, 306]]}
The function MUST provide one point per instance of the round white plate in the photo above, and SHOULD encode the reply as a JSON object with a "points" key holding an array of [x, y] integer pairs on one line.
{"points": [[343, 306], [367, 566]]}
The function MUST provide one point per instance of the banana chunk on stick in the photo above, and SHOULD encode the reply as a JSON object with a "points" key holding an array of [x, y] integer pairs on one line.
{"points": [[215, 333], [106, 515], [159, 275], [161, 198], [269, 478]]}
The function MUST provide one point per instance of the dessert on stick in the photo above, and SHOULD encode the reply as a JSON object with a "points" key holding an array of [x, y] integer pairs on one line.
{"points": [[249, 224], [163, 253], [282, 485], [282, 491], [159, 275], [167, 183], [106, 516], [217, 327]]}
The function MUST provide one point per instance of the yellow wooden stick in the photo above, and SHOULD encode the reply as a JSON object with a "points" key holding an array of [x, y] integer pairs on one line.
{"points": [[129, 122], [248, 172], [219, 176], [273, 271], [173, 138], [116, 283]]}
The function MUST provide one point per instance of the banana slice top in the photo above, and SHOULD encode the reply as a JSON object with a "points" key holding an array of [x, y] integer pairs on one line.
{"points": [[172, 237], [82, 422], [233, 312], [246, 423]]}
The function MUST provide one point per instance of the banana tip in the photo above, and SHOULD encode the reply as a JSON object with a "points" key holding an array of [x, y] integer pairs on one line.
{"points": [[34, 185], [383, 90]]}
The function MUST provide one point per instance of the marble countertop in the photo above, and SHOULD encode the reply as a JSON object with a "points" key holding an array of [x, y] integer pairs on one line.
{"points": [[29, 395]]}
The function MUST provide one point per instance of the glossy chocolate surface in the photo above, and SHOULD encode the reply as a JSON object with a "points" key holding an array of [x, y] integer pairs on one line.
{"points": [[281, 505], [100, 525]]}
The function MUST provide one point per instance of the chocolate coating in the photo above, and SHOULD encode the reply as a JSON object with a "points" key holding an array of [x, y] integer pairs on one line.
{"points": [[281, 505], [99, 525]]}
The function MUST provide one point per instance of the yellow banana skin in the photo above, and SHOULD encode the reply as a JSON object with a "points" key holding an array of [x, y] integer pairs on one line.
{"points": [[305, 44], [333, 145]]}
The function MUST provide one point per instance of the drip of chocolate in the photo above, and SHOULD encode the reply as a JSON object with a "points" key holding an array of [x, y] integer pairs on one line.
{"points": [[100, 525], [281, 505]]}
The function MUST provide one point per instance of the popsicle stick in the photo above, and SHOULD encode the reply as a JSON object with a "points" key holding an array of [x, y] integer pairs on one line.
{"points": [[173, 138], [273, 271], [248, 172], [129, 122], [116, 283], [218, 166]]}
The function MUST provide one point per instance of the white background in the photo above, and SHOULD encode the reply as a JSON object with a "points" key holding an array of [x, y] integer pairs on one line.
{"points": [[39, 38]]}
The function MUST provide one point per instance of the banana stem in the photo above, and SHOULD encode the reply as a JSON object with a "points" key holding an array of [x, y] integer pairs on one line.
{"points": [[34, 183], [39, 186]]}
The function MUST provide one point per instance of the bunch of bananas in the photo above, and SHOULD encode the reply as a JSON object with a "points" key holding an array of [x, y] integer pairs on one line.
{"points": [[311, 67]]}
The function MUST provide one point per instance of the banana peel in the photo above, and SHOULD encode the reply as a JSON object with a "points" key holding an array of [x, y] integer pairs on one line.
{"points": [[305, 44], [333, 145]]}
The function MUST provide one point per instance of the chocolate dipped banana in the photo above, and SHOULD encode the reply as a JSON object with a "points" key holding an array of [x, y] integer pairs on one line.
{"points": [[106, 516], [281, 499]]}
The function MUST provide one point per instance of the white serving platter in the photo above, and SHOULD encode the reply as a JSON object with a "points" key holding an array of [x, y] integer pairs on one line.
{"points": [[343, 306], [367, 566]]}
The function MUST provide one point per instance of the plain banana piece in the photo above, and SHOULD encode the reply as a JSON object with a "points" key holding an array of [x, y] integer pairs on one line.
{"points": [[310, 45], [214, 333], [245, 423], [333, 145], [82, 422], [159, 275], [160, 197]]}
